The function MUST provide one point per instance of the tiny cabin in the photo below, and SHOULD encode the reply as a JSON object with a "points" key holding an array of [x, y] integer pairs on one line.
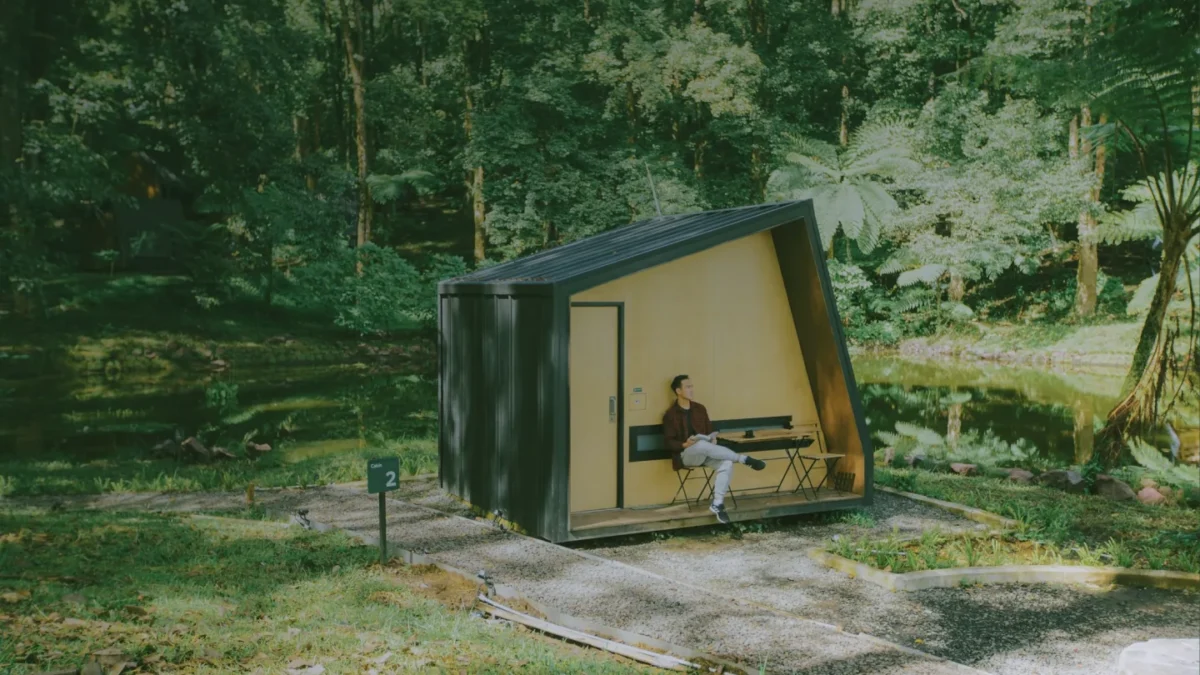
{"points": [[555, 372]]}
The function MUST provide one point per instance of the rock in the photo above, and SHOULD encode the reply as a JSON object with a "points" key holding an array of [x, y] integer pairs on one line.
{"points": [[257, 448], [222, 453], [889, 456], [1114, 490], [1061, 479], [1148, 482], [91, 668], [964, 469], [195, 447], [165, 448], [1020, 476], [915, 460], [1160, 657], [1149, 495], [218, 364]]}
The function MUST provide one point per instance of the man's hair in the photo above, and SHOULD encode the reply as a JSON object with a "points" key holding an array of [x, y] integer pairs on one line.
{"points": [[678, 382]]}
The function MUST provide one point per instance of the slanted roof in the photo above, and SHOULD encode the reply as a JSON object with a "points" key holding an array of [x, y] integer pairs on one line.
{"points": [[610, 255]]}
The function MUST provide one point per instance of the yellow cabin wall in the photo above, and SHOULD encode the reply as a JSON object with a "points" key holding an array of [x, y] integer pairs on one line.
{"points": [[721, 316]]}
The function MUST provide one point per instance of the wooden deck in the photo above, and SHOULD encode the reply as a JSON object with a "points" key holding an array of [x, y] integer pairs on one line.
{"points": [[613, 522]]}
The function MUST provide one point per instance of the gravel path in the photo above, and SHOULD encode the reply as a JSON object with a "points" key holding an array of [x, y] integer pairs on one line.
{"points": [[1008, 630], [789, 602]]}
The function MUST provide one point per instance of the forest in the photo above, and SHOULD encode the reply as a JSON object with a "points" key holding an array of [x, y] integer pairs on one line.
{"points": [[973, 162]]}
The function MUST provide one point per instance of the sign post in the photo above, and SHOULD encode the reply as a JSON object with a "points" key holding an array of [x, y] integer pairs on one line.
{"points": [[382, 477]]}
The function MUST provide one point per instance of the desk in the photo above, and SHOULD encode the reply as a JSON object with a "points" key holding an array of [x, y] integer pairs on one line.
{"points": [[790, 441]]}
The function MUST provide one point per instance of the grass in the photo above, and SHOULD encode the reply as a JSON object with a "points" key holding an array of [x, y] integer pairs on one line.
{"points": [[936, 550], [204, 594], [1062, 525], [132, 472]]}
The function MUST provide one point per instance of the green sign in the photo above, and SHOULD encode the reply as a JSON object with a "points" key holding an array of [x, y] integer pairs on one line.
{"points": [[383, 475]]}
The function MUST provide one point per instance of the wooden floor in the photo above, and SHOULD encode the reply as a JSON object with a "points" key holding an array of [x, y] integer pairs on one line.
{"points": [[610, 522]]}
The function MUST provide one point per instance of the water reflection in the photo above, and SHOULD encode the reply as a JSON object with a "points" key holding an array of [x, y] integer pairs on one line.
{"points": [[1055, 411], [302, 411]]}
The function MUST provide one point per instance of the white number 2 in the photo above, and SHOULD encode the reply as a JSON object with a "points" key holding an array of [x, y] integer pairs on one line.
{"points": [[391, 479]]}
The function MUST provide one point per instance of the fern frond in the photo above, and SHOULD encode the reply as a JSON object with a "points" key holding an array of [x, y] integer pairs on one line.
{"points": [[1152, 459], [926, 274], [1140, 222]]}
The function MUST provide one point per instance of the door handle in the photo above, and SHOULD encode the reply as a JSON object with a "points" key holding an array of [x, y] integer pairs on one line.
{"points": [[612, 408]]}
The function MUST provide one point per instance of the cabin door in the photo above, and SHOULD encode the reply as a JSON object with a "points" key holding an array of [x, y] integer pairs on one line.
{"points": [[596, 360]]}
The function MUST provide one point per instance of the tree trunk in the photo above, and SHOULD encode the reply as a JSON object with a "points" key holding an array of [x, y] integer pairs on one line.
{"points": [[1085, 278], [355, 60], [1084, 433], [1138, 409], [958, 287], [954, 424], [844, 125], [474, 181], [477, 213]]}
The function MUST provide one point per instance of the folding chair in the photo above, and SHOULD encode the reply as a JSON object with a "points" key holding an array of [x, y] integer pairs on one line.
{"points": [[684, 474]]}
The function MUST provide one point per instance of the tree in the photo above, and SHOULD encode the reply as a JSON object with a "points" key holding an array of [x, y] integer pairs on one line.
{"points": [[353, 37], [975, 213], [848, 185], [1152, 97]]}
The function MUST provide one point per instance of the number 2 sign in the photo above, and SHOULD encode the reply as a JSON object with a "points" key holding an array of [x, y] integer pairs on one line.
{"points": [[383, 475]]}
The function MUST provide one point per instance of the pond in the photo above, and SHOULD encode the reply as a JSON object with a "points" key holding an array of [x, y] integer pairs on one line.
{"points": [[1051, 414], [309, 412], [303, 412]]}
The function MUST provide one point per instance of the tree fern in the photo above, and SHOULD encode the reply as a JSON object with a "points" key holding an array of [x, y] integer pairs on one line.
{"points": [[1153, 460], [847, 186]]}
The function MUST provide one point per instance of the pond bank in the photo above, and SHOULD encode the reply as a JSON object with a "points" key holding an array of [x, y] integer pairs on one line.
{"points": [[1105, 346]]}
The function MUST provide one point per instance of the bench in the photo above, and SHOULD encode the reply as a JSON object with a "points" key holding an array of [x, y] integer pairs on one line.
{"points": [[757, 434]]}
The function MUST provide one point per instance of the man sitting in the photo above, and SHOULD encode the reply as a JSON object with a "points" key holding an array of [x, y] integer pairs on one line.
{"points": [[689, 434]]}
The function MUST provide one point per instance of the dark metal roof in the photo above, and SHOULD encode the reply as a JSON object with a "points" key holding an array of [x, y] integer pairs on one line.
{"points": [[602, 257]]}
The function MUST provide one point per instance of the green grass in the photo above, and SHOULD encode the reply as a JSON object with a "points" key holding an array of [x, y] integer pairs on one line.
{"points": [[937, 550], [341, 462], [1150, 537], [204, 594]]}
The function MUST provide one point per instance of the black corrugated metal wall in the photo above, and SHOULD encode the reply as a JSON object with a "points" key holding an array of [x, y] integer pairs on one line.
{"points": [[497, 399]]}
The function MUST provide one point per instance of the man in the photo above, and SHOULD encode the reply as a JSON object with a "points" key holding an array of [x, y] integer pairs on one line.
{"points": [[689, 434]]}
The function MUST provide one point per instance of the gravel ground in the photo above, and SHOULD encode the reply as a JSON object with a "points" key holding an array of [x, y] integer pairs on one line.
{"points": [[1011, 629], [788, 604]]}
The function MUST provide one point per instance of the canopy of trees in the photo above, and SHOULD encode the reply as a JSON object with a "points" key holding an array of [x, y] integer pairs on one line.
{"points": [[971, 159]]}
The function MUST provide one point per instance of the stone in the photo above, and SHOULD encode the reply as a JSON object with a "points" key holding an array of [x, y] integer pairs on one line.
{"points": [[915, 460], [257, 448], [1063, 479], [1020, 476], [91, 668], [1149, 495], [1160, 657], [196, 447], [964, 469], [1149, 482], [889, 456], [1114, 490]]}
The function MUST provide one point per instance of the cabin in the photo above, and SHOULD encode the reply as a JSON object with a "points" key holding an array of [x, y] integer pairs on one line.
{"points": [[555, 372]]}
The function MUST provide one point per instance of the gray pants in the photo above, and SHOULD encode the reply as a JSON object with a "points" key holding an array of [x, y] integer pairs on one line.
{"points": [[717, 457]]}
